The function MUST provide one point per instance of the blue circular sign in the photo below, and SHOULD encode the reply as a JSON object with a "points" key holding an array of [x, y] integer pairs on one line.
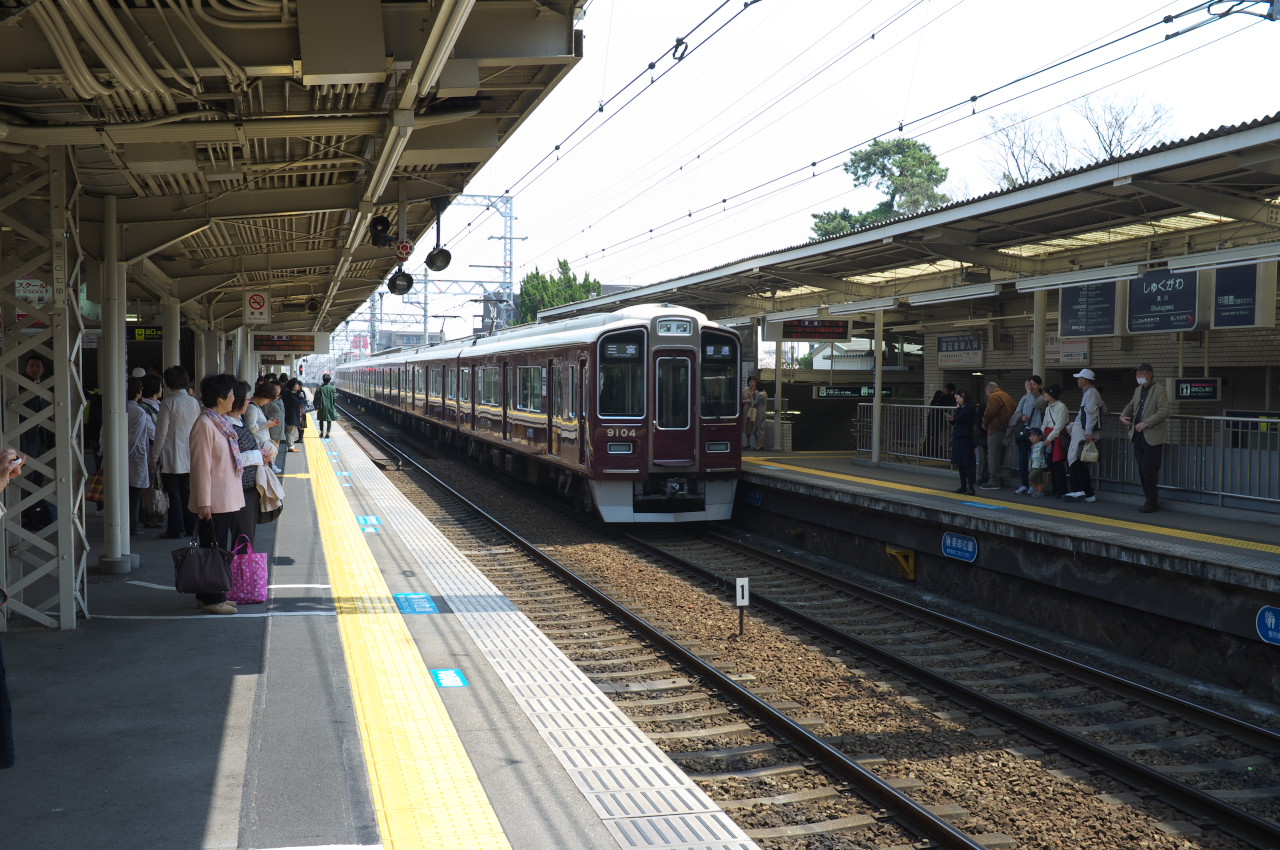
{"points": [[1269, 624]]}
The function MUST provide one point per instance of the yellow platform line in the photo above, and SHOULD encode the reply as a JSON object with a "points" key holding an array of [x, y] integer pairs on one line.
{"points": [[425, 789], [1029, 508]]}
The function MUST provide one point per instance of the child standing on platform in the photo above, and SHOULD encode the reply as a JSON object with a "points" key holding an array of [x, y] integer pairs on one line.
{"points": [[1039, 463]]}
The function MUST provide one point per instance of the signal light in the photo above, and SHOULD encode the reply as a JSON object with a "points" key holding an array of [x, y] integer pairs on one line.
{"points": [[380, 231], [400, 282]]}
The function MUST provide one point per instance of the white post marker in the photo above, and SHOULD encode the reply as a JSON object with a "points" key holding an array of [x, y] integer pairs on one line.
{"points": [[743, 600]]}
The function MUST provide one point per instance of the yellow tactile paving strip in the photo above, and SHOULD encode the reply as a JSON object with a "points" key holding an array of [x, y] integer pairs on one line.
{"points": [[1026, 508], [425, 789]]}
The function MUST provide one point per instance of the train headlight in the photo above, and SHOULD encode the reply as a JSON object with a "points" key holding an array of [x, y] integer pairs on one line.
{"points": [[620, 448], [718, 448]]}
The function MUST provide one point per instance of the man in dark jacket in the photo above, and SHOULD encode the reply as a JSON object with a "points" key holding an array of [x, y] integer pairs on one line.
{"points": [[996, 419], [292, 414]]}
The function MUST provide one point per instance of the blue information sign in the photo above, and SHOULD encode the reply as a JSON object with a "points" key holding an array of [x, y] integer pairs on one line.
{"points": [[1269, 624], [449, 678], [416, 603], [1162, 301], [962, 547], [1235, 298], [1087, 310]]}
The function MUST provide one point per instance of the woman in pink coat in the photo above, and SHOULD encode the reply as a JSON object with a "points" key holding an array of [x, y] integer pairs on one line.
{"points": [[216, 492]]}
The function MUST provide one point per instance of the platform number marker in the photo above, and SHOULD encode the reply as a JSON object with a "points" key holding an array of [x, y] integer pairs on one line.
{"points": [[368, 520], [449, 678], [962, 547], [742, 600]]}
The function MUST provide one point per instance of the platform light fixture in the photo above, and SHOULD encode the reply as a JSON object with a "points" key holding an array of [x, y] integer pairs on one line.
{"points": [[958, 293], [1105, 274], [1225, 257], [869, 306]]}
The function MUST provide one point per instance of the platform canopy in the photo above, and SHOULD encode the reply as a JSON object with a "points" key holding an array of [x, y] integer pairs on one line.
{"points": [[1215, 193], [251, 142]]}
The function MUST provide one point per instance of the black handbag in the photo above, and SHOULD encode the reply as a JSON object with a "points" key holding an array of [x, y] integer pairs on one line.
{"points": [[199, 570]]}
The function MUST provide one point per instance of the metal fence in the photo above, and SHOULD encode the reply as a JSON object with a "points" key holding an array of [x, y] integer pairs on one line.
{"points": [[1220, 460]]}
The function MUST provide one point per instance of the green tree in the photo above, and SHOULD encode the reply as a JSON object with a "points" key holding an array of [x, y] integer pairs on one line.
{"points": [[539, 291], [904, 170]]}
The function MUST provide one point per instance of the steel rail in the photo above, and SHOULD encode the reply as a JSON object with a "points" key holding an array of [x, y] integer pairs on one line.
{"points": [[879, 792], [1219, 814]]}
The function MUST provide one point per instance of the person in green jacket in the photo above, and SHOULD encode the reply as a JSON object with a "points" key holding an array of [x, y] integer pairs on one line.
{"points": [[326, 404]]}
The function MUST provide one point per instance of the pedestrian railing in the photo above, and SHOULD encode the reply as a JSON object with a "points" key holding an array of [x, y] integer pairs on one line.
{"points": [[1222, 460]]}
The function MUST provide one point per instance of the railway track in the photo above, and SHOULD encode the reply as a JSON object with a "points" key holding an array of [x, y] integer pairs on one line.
{"points": [[788, 772]]}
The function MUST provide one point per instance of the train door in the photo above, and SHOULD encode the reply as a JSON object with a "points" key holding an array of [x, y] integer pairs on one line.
{"points": [[506, 402], [674, 440], [580, 411], [555, 410]]}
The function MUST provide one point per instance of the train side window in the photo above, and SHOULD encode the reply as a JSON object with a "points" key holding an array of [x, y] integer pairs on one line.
{"points": [[464, 385], [573, 394], [718, 384], [436, 383], [529, 389], [451, 383], [557, 391], [621, 380], [489, 385]]}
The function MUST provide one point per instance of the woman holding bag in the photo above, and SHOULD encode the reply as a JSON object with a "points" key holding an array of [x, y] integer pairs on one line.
{"points": [[245, 522], [1054, 425], [216, 491]]}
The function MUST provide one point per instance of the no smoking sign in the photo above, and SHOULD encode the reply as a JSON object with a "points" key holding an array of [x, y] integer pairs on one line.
{"points": [[257, 308]]}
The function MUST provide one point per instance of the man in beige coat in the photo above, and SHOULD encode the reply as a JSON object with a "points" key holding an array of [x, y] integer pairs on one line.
{"points": [[1145, 416]]}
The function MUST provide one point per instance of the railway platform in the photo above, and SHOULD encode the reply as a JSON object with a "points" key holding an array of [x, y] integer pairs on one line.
{"points": [[386, 695], [1183, 589]]}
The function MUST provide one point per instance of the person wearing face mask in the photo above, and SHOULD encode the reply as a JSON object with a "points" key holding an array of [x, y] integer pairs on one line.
{"points": [[1145, 415]]}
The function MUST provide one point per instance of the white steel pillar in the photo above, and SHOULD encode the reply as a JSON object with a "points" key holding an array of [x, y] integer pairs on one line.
{"points": [[213, 351], [1039, 306], [877, 402], [115, 558], [170, 331], [239, 363]]}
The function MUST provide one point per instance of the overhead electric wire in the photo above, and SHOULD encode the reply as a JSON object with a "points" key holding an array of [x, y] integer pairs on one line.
{"points": [[935, 114]]}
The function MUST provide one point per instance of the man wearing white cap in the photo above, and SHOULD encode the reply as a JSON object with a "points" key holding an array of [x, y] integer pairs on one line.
{"points": [[1084, 429]]}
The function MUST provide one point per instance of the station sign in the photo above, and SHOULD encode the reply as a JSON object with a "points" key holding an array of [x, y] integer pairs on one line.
{"points": [[256, 308], [1268, 624], [961, 352], [302, 343], [1068, 352], [1091, 309], [962, 547], [808, 330], [1195, 389], [1164, 301], [1244, 296], [861, 391], [144, 333]]}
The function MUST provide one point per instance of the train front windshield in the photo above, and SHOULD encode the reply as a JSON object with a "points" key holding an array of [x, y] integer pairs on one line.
{"points": [[622, 375], [719, 386]]}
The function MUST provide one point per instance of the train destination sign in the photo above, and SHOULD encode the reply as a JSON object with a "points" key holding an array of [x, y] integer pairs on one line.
{"points": [[861, 391], [808, 330], [1088, 310], [1162, 301], [317, 343], [1244, 296]]}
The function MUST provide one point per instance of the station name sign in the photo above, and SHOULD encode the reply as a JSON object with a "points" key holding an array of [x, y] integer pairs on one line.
{"points": [[307, 343], [808, 330]]}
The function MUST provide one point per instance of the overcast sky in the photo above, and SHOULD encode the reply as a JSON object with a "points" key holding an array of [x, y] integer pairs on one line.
{"points": [[790, 82]]}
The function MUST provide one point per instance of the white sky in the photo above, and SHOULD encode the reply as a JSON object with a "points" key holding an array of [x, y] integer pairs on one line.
{"points": [[793, 81]]}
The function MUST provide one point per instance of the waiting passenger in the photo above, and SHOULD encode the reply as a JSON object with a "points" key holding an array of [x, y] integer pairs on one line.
{"points": [[964, 420], [10, 467], [245, 521], [995, 419], [1056, 439], [142, 431], [1027, 415], [178, 413], [275, 413], [1145, 415], [1084, 431], [326, 402], [1038, 462], [292, 414], [217, 494]]}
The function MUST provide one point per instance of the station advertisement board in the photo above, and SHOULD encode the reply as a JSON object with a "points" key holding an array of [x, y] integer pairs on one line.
{"points": [[1164, 301], [808, 330], [861, 391], [959, 352], [1092, 309]]}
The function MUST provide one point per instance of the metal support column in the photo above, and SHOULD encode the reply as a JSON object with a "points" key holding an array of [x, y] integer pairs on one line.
{"points": [[1039, 306], [213, 351], [877, 402], [239, 363], [171, 331], [777, 396], [116, 558]]}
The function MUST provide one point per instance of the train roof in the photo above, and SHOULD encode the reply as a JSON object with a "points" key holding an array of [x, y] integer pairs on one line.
{"points": [[580, 329]]}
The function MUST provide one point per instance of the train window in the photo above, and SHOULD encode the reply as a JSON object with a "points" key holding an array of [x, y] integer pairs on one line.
{"points": [[573, 394], [451, 383], [529, 388], [557, 391], [718, 388], [673, 392], [622, 374], [490, 386], [464, 384], [436, 383]]}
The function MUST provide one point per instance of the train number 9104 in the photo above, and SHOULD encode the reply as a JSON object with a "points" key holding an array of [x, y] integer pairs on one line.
{"points": [[620, 432]]}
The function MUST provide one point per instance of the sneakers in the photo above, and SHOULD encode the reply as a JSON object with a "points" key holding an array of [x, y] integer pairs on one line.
{"points": [[277, 470], [1074, 494], [219, 608], [1089, 499], [294, 450], [1022, 490], [1079, 496], [990, 485], [1036, 494]]}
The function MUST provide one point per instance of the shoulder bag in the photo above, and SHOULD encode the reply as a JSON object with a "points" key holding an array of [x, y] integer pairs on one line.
{"points": [[198, 570]]}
